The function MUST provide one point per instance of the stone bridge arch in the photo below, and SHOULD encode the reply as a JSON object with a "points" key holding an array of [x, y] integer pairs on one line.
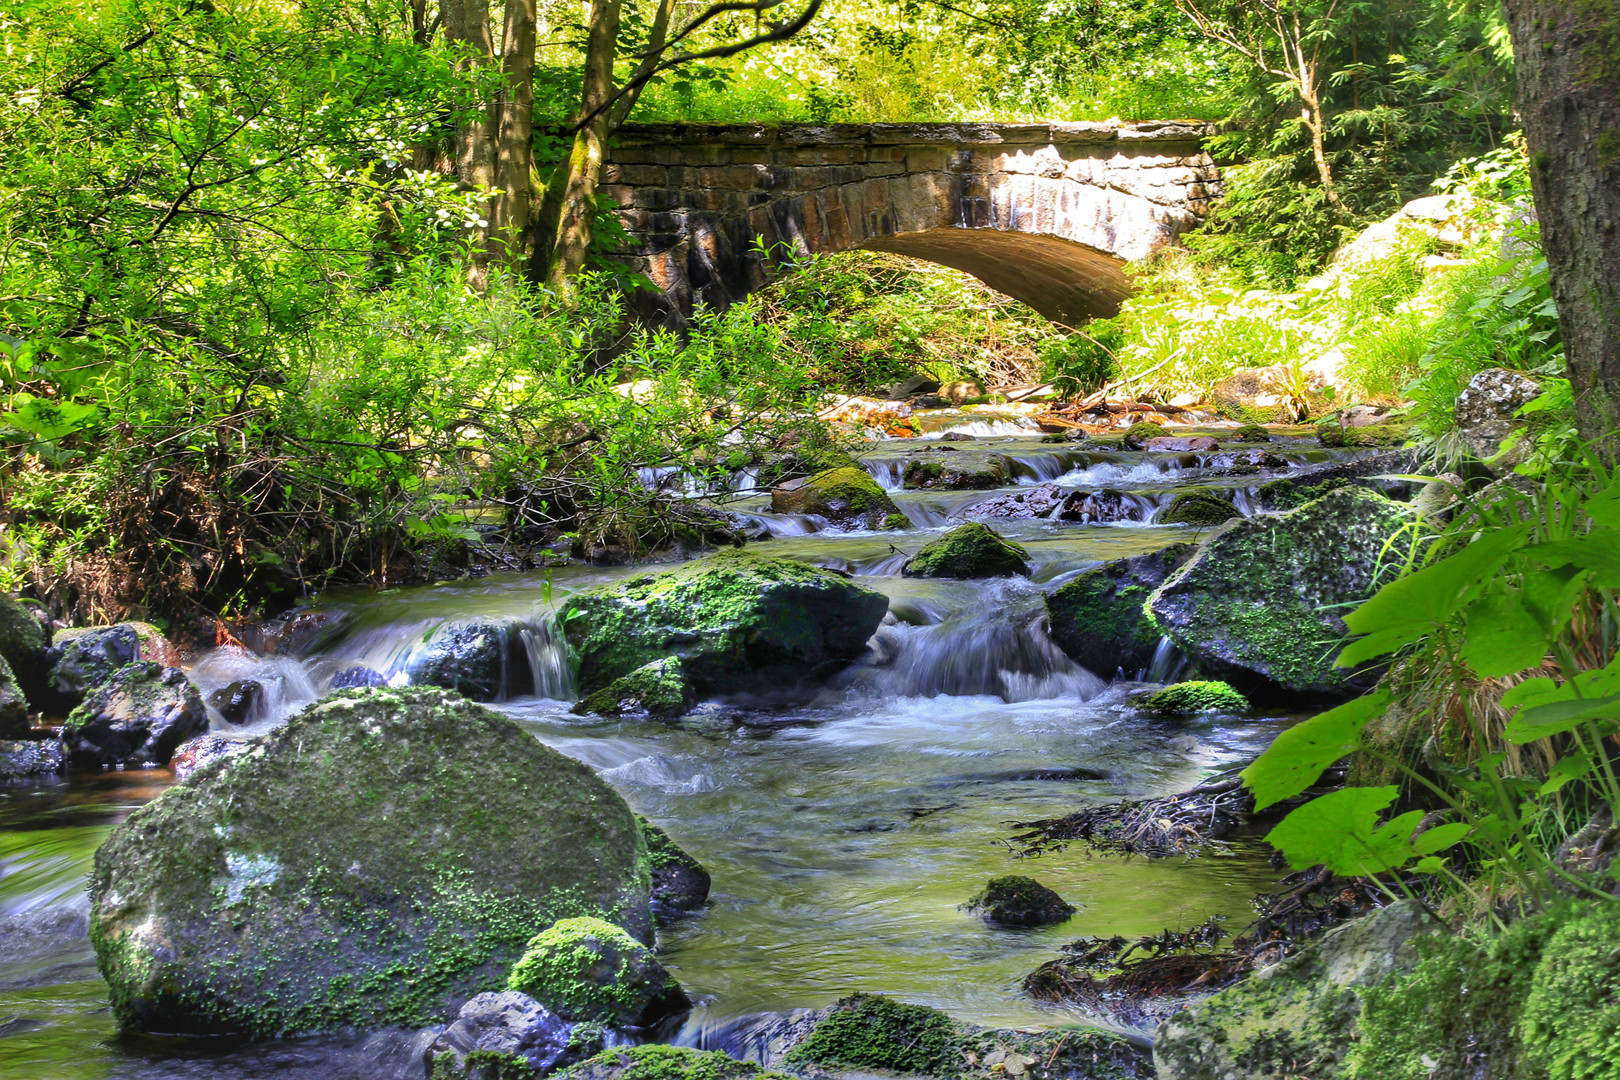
{"points": [[1046, 213]]}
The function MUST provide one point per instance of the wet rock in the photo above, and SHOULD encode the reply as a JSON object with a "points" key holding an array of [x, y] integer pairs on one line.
{"points": [[1101, 507], [1258, 604], [1137, 436], [1288, 492], [1201, 508], [957, 436], [13, 705], [193, 754], [867, 1031], [587, 970], [1302, 1009], [1191, 698], [1386, 433], [1020, 901], [30, 758], [394, 1054], [658, 689], [965, 472], [356, 677], [736, 621], [679, 882], [916, 384], [288, 888], [22, 646], [138, 716], [969, 551], [238, 702], [659, 1062], [1183, 444], [1243, 462], [1097, 618], [503, 1024], [1485, 409], [1258, 395], [473, 658], [847, 497], [1251, 433], [84, 658], [1035, 502]]}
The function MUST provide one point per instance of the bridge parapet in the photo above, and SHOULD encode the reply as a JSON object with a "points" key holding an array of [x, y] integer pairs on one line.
{"points": [[1048, 213]]}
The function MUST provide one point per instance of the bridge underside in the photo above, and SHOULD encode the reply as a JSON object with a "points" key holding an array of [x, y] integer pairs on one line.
{"points": [[1067, 282]]}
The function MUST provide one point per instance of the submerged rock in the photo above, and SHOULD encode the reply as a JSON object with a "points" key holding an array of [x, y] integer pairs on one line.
{"points": [[658, 689], [846, 497], [84, 658], [379, 859], [968, 551], [239, 702], [1020, 901], [472, 658], [1259, 603], [22, 759], [499, 1025], [1191, 698], [679, 882], [1097, 617], [1198, 508], [138, 716], [1303, 1009], [736, 621], [589, 971]]}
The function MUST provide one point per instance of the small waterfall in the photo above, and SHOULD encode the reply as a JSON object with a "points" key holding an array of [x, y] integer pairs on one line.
{"points": [[547, 651], [1039, 468], [285, 685], [1168, 663], [890, 473]]}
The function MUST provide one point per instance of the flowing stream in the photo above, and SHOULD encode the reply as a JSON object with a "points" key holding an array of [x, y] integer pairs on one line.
{"points": [[843, 836]]}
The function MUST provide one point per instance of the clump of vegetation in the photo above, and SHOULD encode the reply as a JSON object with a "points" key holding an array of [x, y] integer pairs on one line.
{"points": [[1189, 698], [656, 1061], [867, 1031]]}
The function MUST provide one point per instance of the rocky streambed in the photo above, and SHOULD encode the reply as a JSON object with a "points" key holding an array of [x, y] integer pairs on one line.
{"points": [[848, 791]]}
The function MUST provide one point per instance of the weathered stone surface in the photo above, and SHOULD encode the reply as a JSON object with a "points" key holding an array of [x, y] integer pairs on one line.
{"points": [[1303, 1009], [1101, 507], [1046, 213], [659, 689], [20, 760], [967, 471], [1183, 444], [506, 1023], [376, 861], [237, 702], [1197, 508], [473, 658], [968, 551], [679, 882], [587, 970], [735, 620], [13, 705], [1258, 604], [1486, 406], [193, 754], [1034, 502], [846, 497], [138, 716], [1020, 901], [1097, 617], [85, 657]]}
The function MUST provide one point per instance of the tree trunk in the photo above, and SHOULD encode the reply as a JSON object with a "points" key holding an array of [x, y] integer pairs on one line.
{"points": [[577, 178], [1318, 130], [514, 141], [1567, 53], [466, 23]]}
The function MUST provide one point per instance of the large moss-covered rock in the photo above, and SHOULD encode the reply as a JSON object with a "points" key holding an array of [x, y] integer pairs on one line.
{"points": [[1097, 617], [1303, 1009], [659, 1062], [13, 705], [1201, 508], [960, 471], [1260, 602], [968, 551], [82, 658], [586, 970], [735, 621], [139, 716], [375, 862], [22, 643], [846, 497], [658, 689]]}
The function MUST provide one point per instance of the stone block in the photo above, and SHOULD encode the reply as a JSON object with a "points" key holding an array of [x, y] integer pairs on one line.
{"points": [[735, 177], [926, 158], [618, 194], [641, 175]]}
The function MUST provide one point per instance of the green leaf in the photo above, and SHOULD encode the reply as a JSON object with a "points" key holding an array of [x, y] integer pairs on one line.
{"points": [[1433, 864], [49, 420], [1340, 830], [1568, 769], [1502, 636], [1440, 837], [1597, 551], [1550, 596], [1299, 755], [1557, 717]]}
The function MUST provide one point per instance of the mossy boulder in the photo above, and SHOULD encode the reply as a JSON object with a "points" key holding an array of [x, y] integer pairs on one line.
{"points": [[679, 882], [973, 550], [1020, 901], [22, 644], [964, 471], [659, 690], [868, 1031], [1303, 1009], [13, 705], [376, 861], [847, 497], [659, 1062], [586, 970], [736, 622], [138, 716], [1202, 508], [1251, 433], [1190, 698], [1389, 433], [1137, 436], [1097, 617], [1259, 603], [83, 658]]}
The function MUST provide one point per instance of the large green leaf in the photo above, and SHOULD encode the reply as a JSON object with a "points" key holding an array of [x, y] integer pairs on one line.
{"points": [[1557, 717], [1597, 551], [1502, 635], [1299, 755], [1340, 830]]}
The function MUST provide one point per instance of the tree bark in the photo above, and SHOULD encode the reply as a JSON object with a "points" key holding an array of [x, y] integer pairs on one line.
{"points": [[466, 23], [577, 178], [514, 140], [1567, 53]]}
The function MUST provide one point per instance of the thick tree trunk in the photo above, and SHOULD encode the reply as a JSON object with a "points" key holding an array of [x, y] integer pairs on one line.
{"points": [[578, 177], [1567, 53], [514, 141]]}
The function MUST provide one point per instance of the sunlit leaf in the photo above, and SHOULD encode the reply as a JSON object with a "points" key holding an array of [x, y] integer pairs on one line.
{"points": [[1440, 837], [1502, 636], [1341, 831], [1570, 768], [1299, 755]]}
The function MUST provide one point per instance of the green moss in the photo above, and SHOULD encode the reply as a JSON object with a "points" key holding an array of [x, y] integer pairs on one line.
{"points": [[1388, 433], [1251, 433], [867, 1031], [1200, 508], [965, 471], [973, 550], [896, 520], [658, 1062], [22, 639], [658, 688], [1286, 495], [1020, 901], [1187, 698], [588, 969], [1137, 435], [1570, 1025], [484, 1065]]}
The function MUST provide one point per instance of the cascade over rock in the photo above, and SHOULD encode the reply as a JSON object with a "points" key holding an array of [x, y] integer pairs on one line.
{"points": [[1258, 604], [375, 862], [735, 621]]}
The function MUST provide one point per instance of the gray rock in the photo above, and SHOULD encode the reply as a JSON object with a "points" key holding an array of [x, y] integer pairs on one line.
{"points": [[1486, 406], [1303, 1009], [193, 754], [506, 1022], [238, 702], [1259, 604], [138, 716], [916, 384], [475, 659], [1097, 618], [85, 657], [1034, 502], [679, 882], [27, 758], [1101, 507]]}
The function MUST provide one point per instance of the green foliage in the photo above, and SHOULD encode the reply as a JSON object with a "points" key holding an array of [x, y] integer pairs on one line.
{"points": [[1570, 1026], [867, 1031], [1187, 698]]}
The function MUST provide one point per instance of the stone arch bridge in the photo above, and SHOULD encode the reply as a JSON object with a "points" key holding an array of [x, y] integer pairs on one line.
{"points": [[1047, 213]]}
